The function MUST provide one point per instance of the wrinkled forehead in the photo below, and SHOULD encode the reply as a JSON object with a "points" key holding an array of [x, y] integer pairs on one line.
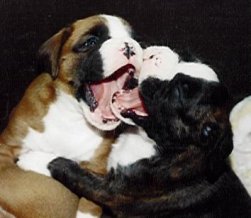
{"points": [[114, 27]]}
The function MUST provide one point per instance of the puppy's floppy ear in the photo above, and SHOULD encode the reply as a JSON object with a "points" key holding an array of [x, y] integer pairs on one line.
{"points": [[50, 52], [220, 95], [222, 149]]}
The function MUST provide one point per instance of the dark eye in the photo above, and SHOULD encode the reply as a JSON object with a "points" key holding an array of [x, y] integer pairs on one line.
{"points": [[206, 131], [90, 42], [209, 132]]}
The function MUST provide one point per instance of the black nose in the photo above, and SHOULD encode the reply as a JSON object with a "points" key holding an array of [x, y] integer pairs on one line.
{"points": [[128, 50]]}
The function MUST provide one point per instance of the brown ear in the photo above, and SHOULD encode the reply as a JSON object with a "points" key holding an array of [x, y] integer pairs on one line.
{"points": [[50, 52]]}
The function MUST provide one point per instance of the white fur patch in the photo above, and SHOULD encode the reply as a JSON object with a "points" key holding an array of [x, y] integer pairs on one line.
{"points": [[85, 215], [163, 63], [112, 49], [117, 28], [66, 134], [131, 146], [36, 161], [112, 52], [240, 119], [196, 70]]}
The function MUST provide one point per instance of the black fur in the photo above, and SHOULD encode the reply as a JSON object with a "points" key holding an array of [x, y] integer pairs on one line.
{"points": [[188, 177], [90, 68]]}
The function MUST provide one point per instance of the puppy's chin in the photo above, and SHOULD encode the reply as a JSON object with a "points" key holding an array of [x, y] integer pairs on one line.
{"points": [[96, 120]]}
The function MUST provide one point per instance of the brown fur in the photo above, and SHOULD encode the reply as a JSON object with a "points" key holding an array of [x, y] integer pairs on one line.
{"points": [[98, 165], [27, 194]]}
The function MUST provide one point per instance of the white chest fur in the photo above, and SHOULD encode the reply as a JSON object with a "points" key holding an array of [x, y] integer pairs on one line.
{"points": [[131, 146], [66, 134]]}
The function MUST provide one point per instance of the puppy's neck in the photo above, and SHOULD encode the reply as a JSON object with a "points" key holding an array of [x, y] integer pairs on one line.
{"points": [[66, 131]]}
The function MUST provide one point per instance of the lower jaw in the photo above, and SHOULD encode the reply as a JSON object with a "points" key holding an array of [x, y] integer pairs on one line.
{"points": [[102, 123], [96, 120], [117, 114]]}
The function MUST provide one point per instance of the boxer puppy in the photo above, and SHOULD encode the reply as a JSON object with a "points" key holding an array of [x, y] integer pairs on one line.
{"points": [[186, 175], [65, 111]]}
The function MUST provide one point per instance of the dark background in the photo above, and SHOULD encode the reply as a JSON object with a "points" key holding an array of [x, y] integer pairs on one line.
{"points": [[217, 31]]}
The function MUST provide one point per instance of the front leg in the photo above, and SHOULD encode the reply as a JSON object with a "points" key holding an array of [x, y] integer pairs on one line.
{"points": [[36, 161], [80, 181], [134, 190], [127, 190]]}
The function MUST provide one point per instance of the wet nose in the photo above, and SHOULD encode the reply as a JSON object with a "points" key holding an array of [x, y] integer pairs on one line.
{"points": [[128, 50]]}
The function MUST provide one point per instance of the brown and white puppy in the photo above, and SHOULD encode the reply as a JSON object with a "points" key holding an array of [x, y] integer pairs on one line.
{"points": [[66, 111]]}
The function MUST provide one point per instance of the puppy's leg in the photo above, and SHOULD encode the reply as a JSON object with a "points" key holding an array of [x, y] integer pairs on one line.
{"points": [[121, 190], [97, 164], [137, 189], [26, 194], [36, 161]]}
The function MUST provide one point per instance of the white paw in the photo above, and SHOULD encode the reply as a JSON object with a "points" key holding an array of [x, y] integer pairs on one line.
{"points": [[36, 161]]}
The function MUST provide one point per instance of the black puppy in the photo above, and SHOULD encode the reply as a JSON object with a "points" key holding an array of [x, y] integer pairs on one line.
{"points": [[188, 176]]}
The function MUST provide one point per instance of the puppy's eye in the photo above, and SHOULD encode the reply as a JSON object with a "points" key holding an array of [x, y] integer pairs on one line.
{"points": [[89, 43], [209, 131], [206, 131]]}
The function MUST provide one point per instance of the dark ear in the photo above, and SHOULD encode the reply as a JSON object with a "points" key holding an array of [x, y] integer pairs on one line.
{"points": [[50, 52], [220, 95]]}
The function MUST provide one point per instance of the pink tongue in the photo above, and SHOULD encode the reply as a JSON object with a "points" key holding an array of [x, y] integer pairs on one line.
{"points": [[130, 99], [103, 93]]}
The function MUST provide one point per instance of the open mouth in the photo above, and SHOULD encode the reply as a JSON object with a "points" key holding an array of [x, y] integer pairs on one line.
{"points": [[127, 101], [99, 95]]}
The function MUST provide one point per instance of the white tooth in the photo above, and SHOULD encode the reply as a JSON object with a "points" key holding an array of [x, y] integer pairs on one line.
{"points": [[131, 71]]}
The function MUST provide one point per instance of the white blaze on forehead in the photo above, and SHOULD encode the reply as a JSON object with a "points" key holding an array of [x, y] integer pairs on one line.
{"points": [[197, 70], [117, 28], [112, 50], [112, 53]]}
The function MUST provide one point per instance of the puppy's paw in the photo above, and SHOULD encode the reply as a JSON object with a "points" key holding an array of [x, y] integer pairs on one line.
{"points": [[61, 169], [36, 161]]}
